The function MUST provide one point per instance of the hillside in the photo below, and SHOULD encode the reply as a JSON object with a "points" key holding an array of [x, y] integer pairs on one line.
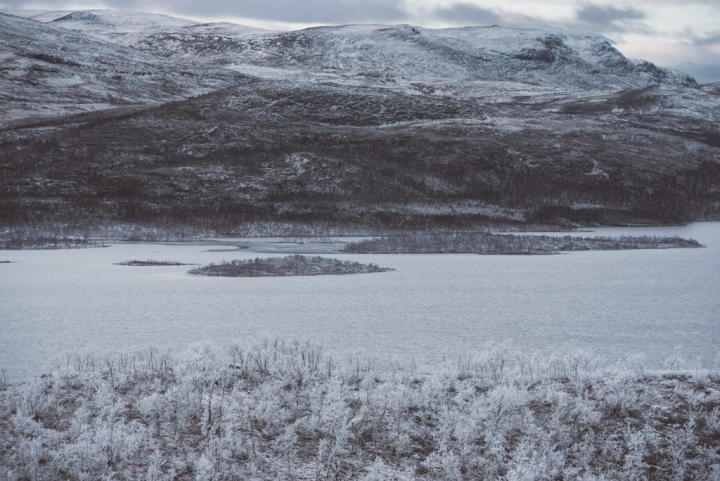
{"points": [[367, 126], [48, 71], [383, 53]]}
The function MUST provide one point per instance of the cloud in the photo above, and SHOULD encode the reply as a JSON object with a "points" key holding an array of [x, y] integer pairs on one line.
{"points": [[703, 73], [607, 15], [611, 19], [306, 11], [706, 40], [468, 14], [290, 11]]}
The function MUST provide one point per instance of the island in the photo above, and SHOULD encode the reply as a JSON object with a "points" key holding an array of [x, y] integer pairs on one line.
{"points": [[151, 262], [509, 244], [297, 265]]}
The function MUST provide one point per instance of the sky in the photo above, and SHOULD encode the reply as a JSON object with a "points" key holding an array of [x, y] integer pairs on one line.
{"points": [[681, 34]]}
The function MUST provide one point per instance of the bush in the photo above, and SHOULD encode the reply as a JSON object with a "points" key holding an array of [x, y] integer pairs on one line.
{"points": [[276, 410]]}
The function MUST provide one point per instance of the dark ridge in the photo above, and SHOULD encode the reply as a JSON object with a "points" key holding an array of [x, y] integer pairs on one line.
{"points": [[509, 244], [52, 59], [41, 243], [151, 262]]}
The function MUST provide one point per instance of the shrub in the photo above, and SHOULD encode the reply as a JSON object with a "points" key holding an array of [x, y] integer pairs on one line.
{"points": [[278, 409]]}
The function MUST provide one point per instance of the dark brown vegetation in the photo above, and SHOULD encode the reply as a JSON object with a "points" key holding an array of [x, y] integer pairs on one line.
{"points": [[486, 243], [151, 262], [37, 243], [296, 265], [277, 155]]}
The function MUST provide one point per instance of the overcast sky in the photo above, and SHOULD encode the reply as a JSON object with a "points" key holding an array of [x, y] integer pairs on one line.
{"points": [[683, 34]]}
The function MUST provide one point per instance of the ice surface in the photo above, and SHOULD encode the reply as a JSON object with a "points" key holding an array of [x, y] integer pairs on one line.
{"points": [[614, 303]]}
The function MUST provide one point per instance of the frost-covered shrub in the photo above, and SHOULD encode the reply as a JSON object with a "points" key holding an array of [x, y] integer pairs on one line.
{"points": [[284, 410]]}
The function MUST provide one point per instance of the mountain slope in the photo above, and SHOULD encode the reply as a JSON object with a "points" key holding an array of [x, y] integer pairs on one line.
{"points": [[48, 70], [279, 150], [385, 53], [404, 52], [392, 127]]}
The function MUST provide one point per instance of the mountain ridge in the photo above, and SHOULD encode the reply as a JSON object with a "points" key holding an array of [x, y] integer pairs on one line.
{"points": [[48, 70], [375, 126], [530, 52]]}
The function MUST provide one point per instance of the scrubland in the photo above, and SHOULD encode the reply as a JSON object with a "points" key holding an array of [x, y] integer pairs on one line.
{"points": [[296, 265], [151, 262], [488, 243], [285, 410], [48, 243]]}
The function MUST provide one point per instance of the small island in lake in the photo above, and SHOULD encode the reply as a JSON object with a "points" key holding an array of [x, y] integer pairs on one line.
{"points": [[151, 262], [296, 265], [509, 244]]}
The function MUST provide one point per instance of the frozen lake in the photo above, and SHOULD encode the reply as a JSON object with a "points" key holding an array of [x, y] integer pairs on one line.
{"points": [[614, 303]]}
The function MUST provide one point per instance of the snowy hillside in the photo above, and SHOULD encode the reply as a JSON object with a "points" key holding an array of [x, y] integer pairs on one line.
{"points": [[119, 27], [49, 70], [103, 23], [366, 125], [382, 53], [377, 53]]}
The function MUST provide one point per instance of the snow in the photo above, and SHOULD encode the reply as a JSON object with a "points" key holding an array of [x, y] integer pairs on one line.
{"points": [[431, 302], [379, 52], [77, 59], [65, 69], [39, 15]]}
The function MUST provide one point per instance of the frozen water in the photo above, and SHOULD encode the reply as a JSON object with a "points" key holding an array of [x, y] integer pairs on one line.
{"points": [[615, 303]]}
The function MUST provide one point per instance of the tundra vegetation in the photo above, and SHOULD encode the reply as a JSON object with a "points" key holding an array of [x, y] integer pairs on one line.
{"points": [[285, 410], [487, 243], [151, 262], [37, 243], [291, 231], [121, 232], [296, 265]]}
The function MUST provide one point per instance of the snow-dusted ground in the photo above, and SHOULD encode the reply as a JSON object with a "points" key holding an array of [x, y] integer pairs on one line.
{"points": [[48, 70], [277, 409], [94, 58]]}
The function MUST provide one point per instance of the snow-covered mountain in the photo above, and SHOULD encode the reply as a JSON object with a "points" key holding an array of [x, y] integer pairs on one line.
{"points": [[358, 124], [387, 53], [49, 70], [382, 53], [105, 23], [713, 88]]}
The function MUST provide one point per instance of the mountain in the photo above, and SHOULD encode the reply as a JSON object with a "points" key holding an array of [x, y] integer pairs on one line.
{"points": [[380, 52], [411, 53], [48, 70], [713, 88], [382, 126]]}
